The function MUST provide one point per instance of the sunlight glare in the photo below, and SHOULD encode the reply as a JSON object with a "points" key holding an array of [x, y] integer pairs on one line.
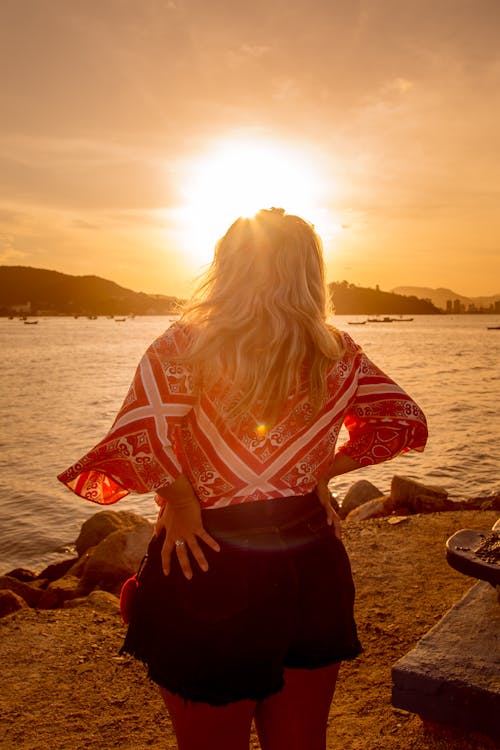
{"points": [[238, 178]]}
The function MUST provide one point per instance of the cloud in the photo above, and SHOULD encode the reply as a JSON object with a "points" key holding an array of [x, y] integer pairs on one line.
{"points": [[84, 174]]}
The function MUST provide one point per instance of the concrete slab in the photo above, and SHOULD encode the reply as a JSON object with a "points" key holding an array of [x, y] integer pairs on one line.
{"points": [[452, 676]]}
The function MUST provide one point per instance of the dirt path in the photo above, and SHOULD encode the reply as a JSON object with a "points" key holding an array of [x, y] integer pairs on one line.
{"points": [[64, 687]]}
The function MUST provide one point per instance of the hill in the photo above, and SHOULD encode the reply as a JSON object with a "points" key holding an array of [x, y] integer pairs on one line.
{"points": [[349, 299], [441, 296], [38, 291]]}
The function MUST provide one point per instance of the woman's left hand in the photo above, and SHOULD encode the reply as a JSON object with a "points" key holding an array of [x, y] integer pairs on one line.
{"points": [[325, 498]]}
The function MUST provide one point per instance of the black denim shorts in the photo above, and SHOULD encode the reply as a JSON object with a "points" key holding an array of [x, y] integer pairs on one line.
{"points": [[278, 595]]}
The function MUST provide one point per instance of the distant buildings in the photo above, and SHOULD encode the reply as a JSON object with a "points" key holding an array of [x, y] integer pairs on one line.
{"points": [[457, 307]]}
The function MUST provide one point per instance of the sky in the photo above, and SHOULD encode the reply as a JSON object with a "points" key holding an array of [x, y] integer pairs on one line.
{"points": [[132, 133]]}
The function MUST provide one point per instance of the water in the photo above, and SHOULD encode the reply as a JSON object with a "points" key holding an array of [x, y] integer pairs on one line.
{"points": [[63, 380]]}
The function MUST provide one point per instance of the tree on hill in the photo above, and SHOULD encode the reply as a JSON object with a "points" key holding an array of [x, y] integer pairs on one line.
{"points": [[349, 299], [51, 292]]}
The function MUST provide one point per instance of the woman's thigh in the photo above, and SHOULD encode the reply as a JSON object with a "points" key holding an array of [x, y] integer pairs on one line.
{"points": [[296, 717], [200, 726]]}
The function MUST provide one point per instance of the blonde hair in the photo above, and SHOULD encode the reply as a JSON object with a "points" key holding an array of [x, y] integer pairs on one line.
{"points": [[259, 317]]}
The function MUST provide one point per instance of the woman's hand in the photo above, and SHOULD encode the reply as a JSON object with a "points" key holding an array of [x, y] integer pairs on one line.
{"points": [[325, 498], [181, 519]]}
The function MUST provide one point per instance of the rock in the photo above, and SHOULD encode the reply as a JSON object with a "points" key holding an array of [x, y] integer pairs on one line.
{"points": [[22, 574], [57, 570], [103, 601], [50, 600], [116, 558], [380, 506], [360, 492], [79, 566], [30, 594], [490, 503], [97, 527], [419, 497], [60, 591], [431, 504], [10, 602]]}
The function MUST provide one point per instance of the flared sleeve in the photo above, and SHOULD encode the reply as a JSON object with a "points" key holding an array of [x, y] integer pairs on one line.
{"points": [[382, 420], [138, 453]]}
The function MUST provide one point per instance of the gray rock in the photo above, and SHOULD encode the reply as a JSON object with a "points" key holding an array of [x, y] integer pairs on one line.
{"points": [[360, 492], [451, 676], [97, 527]]}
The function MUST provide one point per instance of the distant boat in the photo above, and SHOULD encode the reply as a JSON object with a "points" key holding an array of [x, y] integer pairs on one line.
{"points": [[493, 328], [356, 322], [387, 319], [30, 322], [120, 320]]}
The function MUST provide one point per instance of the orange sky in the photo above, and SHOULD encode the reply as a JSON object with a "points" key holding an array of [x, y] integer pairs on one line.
{"points": [[109, 105]]}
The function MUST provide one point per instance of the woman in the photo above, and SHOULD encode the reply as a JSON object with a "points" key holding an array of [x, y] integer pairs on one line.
{"points": [[245, 604]]}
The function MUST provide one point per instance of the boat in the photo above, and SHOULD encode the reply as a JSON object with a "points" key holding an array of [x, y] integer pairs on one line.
{"points": [[120, 320], [30, 322], [356, 322], [388, 319], [493, 328]]}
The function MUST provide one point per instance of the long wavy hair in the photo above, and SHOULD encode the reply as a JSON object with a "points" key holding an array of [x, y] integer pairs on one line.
{"points": [[259, 317]]}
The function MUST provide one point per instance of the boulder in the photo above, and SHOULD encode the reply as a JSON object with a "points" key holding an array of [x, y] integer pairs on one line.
{"points": [[102, 601], [60, 591], [22, 574], [419, 497], [116, 558], [57, 570], [360, 492], [10, 602], [97, 527], [30, 594], [79, 566], [431, 504], [377, 508]]}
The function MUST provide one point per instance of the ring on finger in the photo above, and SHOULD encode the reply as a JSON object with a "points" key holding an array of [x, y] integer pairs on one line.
{"points": [[180, 543]]}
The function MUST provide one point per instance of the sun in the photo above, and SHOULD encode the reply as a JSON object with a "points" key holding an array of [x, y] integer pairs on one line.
{"points": [[238, 177]]}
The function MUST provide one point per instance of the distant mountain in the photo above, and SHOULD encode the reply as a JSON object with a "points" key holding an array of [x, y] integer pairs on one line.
{"points": [[349, 299], [440, 296], [40, 291]]}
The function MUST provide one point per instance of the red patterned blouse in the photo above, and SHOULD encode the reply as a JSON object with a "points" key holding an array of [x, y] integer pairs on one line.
{"points": [[164, 429]]}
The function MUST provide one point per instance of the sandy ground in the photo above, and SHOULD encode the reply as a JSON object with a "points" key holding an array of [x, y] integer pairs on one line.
{"points": [[64, 686]]}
